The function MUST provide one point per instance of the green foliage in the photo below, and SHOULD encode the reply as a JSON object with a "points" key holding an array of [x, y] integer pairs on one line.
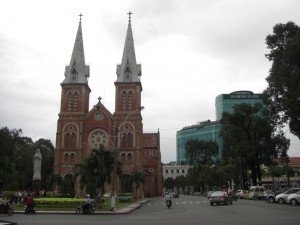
{"points": [[16, 156], [58, 201], [280, 171], [248, 137], [96, 170], [282, 95], [199, 152], [169, 183], [66, 187], [180, 181]]}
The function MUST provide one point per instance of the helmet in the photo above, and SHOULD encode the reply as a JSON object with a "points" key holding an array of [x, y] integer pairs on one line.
{"points": [[87, 195]]}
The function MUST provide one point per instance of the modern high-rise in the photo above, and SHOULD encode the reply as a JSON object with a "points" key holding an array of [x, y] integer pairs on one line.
{"points": [[225, 102], [209, 130]]}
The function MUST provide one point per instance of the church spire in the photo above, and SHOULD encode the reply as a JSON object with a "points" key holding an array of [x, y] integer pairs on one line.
{"points": [[77, 71], [129, 70]]}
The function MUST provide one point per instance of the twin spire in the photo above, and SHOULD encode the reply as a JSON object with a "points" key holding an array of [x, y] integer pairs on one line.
{"points": [[127, 71]]}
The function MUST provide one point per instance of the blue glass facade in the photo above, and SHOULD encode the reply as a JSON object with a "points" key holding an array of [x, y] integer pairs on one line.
{"points": [[225, 102], [203, 131], [210, 130]]}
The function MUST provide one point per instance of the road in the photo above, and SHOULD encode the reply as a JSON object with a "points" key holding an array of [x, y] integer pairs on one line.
{"points": [[187, 210]]}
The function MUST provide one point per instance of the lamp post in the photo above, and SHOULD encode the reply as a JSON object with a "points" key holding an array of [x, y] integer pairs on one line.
{"points": [[113, 194]]}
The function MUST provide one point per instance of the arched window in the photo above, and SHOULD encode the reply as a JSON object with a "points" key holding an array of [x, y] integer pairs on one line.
{"points": [[124, 99], [73, 140], [75, 101], [66, 158], [126, 137], [123, 140], [129, 158], [67, 140], [72, 101], [129, 140], [70, 139], [123, 158], [130, 100], [72, 158], [69, 102]]}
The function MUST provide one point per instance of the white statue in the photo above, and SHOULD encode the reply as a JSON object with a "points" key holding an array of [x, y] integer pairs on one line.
{"points": [[37, 162]]}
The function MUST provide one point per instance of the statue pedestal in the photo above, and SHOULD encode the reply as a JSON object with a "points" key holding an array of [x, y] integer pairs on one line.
{"points": [[36, 186]]}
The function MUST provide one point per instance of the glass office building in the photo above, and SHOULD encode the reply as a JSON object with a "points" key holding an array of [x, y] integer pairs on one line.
{"points": [[225, 102], [206, 130], [209, 130]]}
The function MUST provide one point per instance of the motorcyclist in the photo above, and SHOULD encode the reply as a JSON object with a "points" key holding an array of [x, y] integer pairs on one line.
{"points": [[88, 202], [168, 197], [29, 201]]}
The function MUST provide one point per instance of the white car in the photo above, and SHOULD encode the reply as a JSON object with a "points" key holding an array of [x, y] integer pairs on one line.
{"points": [[240, 193], [294, 199], [282, 198]]}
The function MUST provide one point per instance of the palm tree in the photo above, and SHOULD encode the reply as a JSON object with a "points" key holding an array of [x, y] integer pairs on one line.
{"points": [[127, 180], [96, 170]]}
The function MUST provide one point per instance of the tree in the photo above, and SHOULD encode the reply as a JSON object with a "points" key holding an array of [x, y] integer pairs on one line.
{"points": [[169, 183], [249, 137], [199, 152], [96, 170], [202, 154], [16, 156], [282, 95]]}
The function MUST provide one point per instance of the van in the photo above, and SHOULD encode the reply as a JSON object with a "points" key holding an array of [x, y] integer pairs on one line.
{"points": [[256, 192]]}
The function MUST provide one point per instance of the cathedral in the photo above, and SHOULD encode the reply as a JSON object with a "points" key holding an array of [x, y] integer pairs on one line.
{"points": [[81, 129]]}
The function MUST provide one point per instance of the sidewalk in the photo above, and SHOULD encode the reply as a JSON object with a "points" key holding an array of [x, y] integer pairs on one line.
{"points": [[125, 210]]}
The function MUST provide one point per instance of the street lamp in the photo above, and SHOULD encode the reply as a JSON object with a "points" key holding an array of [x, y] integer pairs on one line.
{"points": [[113, 194]]}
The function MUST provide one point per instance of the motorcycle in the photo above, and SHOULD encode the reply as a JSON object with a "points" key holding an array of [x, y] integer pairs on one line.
{"points": [[6, 209], [85, 209], [30, 209], [169, 203]]}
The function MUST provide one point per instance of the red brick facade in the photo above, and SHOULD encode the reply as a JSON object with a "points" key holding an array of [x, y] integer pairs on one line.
{"points": [[80, 129]]}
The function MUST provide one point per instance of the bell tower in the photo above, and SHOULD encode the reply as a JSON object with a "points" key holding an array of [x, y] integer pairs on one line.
{"points": [[74, 105], [128, 107]]}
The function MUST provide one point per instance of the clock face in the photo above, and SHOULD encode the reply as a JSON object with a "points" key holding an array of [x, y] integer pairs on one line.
{"points": [[98, 116], [97, 138]]}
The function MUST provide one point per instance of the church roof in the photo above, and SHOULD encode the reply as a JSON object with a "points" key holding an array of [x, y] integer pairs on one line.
{"points": [[77, 71], [129, 70], [151, 140]]}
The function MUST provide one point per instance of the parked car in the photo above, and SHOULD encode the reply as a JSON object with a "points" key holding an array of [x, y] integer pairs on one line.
{"points": [[294, 199], [257, 192], [271, 195], [220, 197], [240, 194], [282, 198]]}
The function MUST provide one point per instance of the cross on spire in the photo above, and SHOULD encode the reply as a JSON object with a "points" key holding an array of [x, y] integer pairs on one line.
{"points": [[80, 15], [129, 13]]}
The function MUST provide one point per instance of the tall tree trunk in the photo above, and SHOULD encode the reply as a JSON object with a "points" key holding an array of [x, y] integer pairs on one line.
{"points": [[253, 172]]}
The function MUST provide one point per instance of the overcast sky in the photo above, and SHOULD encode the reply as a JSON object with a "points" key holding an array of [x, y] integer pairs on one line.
{"points": [[190, 51]]}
